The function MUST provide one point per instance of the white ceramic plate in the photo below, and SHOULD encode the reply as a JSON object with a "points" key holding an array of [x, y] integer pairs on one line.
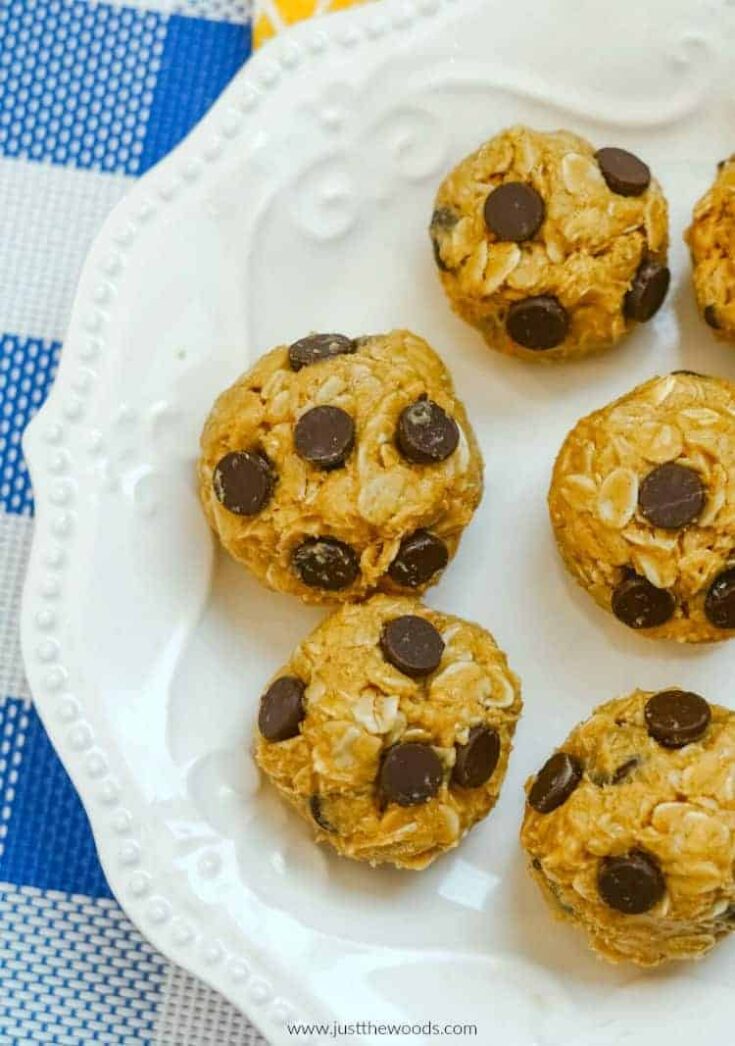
{"points": [[301, 203]]}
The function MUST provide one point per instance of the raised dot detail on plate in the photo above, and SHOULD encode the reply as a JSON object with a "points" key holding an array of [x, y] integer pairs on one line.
{"points": [[213, 148], [280, 1012], [102, 293], [145, 210], [61, 494], [290, 56], [50, 587], [239, 972], [95, 764], [124, 235], [73, 408], [55, 678], [129, 853], [82, 381], [168, 190], [54, 434], [259, 992], [58, 461], [62, 524], [209, 865], [159, 910], [192, 170], [48, 650], [54, 557], [212, 954], [248, 98], [111, 265], [181, 932], [80, 737], [403, 16], [45, 619], [90, 348], [377, 26], [68, 710], [349, 36], [94, 440], [122, 822], [139, 884], [93, 322], [317, 44], [268, 74], [109, 792], [231, 123]]}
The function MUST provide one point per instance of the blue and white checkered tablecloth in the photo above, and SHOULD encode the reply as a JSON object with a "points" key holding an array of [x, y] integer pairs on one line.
{"points": [[91, 95]]}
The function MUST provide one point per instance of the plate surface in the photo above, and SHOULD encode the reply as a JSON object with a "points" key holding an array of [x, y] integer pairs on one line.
{"points": [[301, 203]]}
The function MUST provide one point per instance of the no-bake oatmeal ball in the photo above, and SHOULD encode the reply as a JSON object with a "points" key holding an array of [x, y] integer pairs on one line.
{"points": [[642, 503], [389, 730], [550, 248], [339, 466], [630, 827], [711, 239]]}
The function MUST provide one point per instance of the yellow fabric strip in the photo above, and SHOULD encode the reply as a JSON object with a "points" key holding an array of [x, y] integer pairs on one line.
{"points": [[272, 16]]}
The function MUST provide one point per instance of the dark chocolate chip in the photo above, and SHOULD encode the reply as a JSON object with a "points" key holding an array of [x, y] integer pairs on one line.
{"points": [[624, 173], [426, 433], [676, 718], [412, 644], [710, 317], [243, 481], [440, 263], [420, 556], [318, 347], [624, 771], [639, 604], [538, 323], [410, 774], [555, 782], [476, 761], [671, 496], [647, 291], [316, 809], [282, 709], [326, 563], [324, 436], [632, 883], [719, 603], [514, 211]]}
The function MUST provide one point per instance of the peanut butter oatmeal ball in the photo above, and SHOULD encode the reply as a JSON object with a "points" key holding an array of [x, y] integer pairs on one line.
{"points": [[550, 248], [389, 730], [336, 467], [711, 239], [642, 503], [630, 827]]}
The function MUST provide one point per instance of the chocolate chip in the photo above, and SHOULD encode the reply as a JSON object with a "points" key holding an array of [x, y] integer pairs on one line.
{"points": [[639, 604], [324, 436], [671, 495], [555, 782], [410, 774], [318, 347], [624, 771], [412, 644], [647, 291], [420, 556], [476, 761], [624, 173], [282, 709], [316, 809], [514, 211], [326, 563], [710, 317], [243, 481], [719, 603], [632, 883], [676, 718], [538, 323], [426, 433]]}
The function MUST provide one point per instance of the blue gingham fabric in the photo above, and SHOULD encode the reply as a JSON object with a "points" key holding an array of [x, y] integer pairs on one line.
{"points": [[91, 95]]}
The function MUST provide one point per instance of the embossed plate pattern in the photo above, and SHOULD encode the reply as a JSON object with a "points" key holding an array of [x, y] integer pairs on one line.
{"points": [[301, 203]]}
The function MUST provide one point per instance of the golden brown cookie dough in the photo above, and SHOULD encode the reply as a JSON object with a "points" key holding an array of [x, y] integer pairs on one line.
{"points": [[711, 239], [548, 248], [389, 730], [630, 827], [642, 503], [336, 467]]}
